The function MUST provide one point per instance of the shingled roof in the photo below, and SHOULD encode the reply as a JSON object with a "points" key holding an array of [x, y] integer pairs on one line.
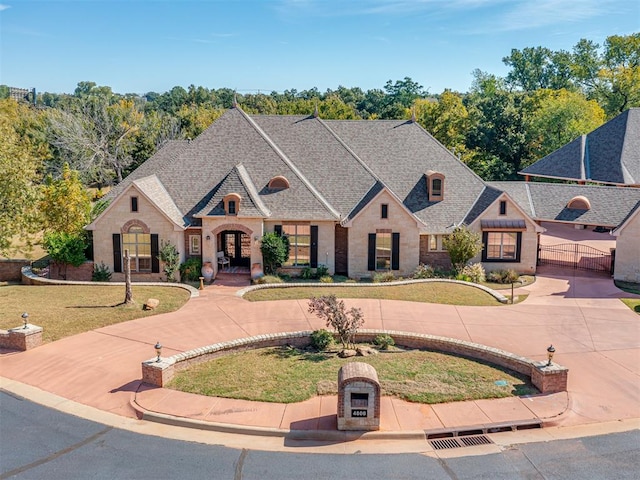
{"points": [[333, 168], [549, 201], [610, 154]]}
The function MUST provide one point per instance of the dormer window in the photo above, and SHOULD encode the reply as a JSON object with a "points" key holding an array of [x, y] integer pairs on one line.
{"points": [[278, 183], [232, 204], [435, 186], [579, 203]]}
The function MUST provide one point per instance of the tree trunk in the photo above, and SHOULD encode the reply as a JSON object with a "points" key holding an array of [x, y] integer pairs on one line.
{"points": [[128, 294]]}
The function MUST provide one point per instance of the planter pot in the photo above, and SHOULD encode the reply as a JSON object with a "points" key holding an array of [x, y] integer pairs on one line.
{"points": [[207, 271]]}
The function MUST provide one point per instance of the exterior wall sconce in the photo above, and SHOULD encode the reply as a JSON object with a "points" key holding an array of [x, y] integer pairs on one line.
{"points": [[25, 319], [550, 352], [158, 348], [208, 237]]}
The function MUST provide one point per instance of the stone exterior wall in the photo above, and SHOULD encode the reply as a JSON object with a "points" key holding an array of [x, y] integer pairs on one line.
{"points": [[118, 214], [627, 266], [368, 221], [529, 246], [10, 269]]}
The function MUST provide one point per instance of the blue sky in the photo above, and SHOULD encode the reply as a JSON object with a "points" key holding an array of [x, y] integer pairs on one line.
{"points": [[137, 46]]}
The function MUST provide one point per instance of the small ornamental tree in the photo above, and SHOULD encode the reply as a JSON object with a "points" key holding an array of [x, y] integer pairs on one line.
{"points": [[65, 249], [462, 245], [170, 258], [345, 323], [275, 251]]}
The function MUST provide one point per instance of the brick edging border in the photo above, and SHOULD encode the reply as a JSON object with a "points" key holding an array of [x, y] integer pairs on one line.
{"points": [[498, 296], [547, 378]]}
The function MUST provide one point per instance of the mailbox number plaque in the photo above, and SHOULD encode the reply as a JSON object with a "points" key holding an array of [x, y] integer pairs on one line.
{"points": [[359, 413]]}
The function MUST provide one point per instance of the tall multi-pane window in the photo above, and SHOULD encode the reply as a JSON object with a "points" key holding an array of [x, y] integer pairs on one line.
{"points": [[139, 245], [299, 235], [502, 245], [383, 251]]}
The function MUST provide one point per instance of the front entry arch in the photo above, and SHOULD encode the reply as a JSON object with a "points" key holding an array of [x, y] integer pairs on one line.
{"points": [[236, 246]]}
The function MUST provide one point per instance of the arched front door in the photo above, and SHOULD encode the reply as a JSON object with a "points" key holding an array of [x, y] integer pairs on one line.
{"points": [[236, 246]]}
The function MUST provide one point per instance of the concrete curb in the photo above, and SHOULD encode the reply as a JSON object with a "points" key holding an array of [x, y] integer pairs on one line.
{"points": [[498, 296]]}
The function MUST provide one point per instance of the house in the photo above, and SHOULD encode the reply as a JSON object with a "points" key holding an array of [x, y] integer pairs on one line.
{"points": [[608, 155], [357, 196], [627, 261]]}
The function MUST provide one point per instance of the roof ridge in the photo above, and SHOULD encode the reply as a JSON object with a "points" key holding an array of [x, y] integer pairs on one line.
{"points": [[249, 186], [290, 164], [533, 208]]}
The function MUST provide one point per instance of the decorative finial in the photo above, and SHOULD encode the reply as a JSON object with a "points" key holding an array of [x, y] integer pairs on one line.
{"points": [[315, 111], [413, 114]]}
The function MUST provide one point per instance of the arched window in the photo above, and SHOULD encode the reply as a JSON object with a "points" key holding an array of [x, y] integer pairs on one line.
{"points": [[435, 186], [232, 204], [139, 245]]}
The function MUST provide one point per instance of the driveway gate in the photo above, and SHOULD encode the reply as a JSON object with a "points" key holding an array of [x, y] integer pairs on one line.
{"points": [[576, 256]]}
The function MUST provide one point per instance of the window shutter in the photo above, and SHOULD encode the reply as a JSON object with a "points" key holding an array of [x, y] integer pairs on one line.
{"points": [[155, 251], [372, 252], [314, 246], [485, 238], [518, 245], [278, 230], [395, 251], [117, 253]]}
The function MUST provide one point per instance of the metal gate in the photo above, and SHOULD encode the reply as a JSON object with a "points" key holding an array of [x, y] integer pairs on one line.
{"points": [[576, 256]]}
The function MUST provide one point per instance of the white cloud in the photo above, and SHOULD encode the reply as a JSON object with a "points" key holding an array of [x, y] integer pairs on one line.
{"points": [[4, 7]]}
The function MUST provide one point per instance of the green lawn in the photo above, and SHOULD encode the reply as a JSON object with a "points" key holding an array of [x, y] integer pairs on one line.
{"points": [[632, 303], [432, 292], [286, 375], [64, 310]]}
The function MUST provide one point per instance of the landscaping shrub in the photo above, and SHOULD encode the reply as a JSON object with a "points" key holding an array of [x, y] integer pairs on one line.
{"points": [[424, 271], [384, 341], [503, 276], [190, 270], [326, 279], [170, 258], [322, 271], [101, 273], [268, 279], [321, 339], [474, 271], [307, 273], [384, 277]]}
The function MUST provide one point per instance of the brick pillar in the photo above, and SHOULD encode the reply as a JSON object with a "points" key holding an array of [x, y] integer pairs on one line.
{"points": [[21, 338], [158, 373], [549, 379]]}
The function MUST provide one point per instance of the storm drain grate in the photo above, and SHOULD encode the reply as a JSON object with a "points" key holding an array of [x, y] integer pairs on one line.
{"points": [[459, 442]]}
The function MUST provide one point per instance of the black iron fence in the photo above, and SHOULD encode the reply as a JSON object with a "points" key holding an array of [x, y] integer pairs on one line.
{"points": [[576, 256]]}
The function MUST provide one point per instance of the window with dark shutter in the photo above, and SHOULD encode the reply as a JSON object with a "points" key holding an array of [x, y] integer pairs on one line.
{"points": [[314, 246], [395, 251], [371, 264], [155, 251], [117, 253]]}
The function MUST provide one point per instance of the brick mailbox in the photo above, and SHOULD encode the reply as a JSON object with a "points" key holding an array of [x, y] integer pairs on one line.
{"points": [[358, 397]]}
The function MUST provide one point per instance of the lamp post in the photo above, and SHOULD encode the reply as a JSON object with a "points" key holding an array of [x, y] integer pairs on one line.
{"points": [[25, 319], [550, 352], [158, 348]]}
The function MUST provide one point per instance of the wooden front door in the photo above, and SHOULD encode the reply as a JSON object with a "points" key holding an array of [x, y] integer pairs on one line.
{"points": [[342, 250]]}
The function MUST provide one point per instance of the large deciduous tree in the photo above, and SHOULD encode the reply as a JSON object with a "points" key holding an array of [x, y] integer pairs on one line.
{"points": [[22, 155], [65, 204]]}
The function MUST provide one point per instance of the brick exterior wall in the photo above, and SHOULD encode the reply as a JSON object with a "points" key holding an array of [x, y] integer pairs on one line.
{"points": [[10, 269], [83, 273], [439, 260]]}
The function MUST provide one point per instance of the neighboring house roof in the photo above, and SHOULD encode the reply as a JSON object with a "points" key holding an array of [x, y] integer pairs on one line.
{"points": [[548, 201], [610, 154], [333, 168]]}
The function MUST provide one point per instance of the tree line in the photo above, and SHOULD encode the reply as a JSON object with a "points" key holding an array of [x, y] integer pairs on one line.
{"points": [[498, 127]]}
